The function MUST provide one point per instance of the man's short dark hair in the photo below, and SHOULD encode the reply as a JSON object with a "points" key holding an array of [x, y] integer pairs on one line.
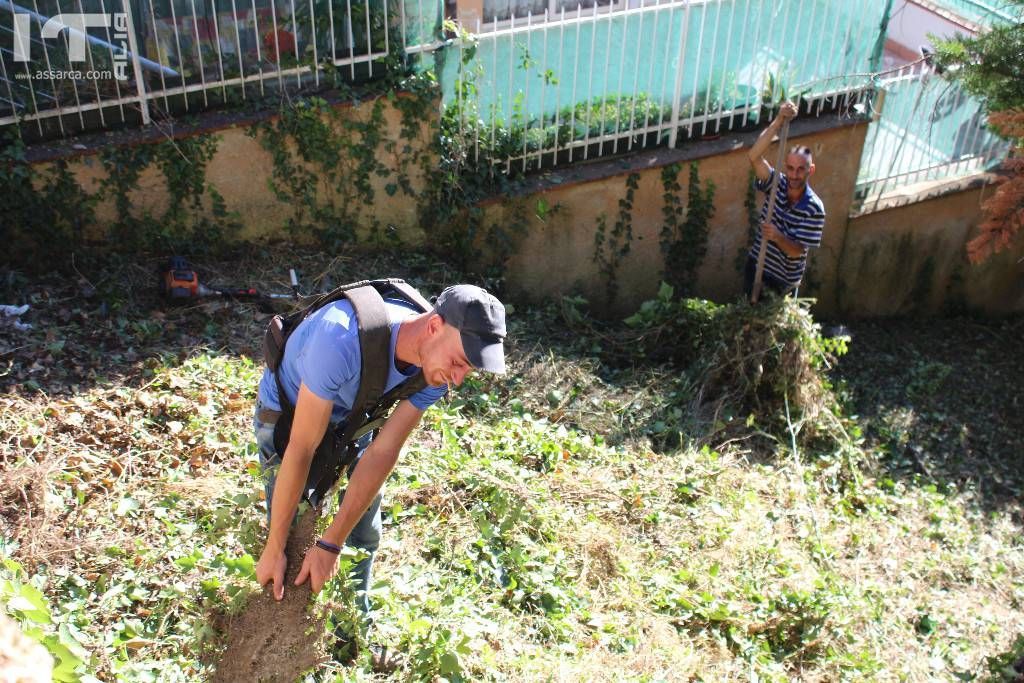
{"points": [[803, 151]]}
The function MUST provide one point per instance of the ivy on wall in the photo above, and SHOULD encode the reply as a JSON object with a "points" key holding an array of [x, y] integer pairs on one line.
{"points": [[682, 239], [673, 212], [185, 226], [42, 208], [325, 159], [183, 164], [323, 167], [324, 164], [465, 175], [684, 233], [610, 247], [39, 210]]}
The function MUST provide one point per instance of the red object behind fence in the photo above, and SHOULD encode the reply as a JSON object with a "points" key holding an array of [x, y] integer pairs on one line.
{"points": [[285, 43]]}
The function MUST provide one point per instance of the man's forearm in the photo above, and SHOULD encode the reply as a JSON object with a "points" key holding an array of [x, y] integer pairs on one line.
{"points": [[790, 247], [764, 140], [291, 477], [367, 478]]}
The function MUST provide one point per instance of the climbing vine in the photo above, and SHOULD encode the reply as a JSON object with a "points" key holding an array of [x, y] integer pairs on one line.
{"points": [[124, 165], [464, 176], [185, 226], [325, 159], [325, 166], [322, 164], [416, 105], [611, 248], [673, 212], [699, 212], [39, 210], [684, 233], [42, 208], [183, 164]]}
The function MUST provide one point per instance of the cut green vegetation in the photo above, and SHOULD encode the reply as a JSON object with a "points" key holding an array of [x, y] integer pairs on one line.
{"points": [[700, 492]]}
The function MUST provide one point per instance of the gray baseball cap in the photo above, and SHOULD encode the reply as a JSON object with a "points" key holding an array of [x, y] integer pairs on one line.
{"points": [[480, 319]]}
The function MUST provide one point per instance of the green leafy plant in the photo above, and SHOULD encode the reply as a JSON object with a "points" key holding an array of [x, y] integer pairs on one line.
{"points": [[684, 233], [29, 607], [1007, 666], [449, 210], [770, 359], [312, 158], [610, 247], [596, 509], [41, 209]]}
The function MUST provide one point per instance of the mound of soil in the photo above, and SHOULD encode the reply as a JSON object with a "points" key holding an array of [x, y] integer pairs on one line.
{"points": [[277, 640]]}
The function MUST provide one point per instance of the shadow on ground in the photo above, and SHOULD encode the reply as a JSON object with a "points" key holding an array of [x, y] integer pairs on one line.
{"points": [[104, 322], [941, 400]]}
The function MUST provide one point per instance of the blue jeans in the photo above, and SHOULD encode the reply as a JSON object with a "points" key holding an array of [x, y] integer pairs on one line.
{"points": [[366, 533]]}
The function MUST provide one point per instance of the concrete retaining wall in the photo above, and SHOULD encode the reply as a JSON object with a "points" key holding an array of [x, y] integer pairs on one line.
{"points": [[892, 261], [557, 256], [241, 170], [911, 259], [906, 255]]}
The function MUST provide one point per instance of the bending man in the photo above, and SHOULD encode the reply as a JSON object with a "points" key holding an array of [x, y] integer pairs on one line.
{"points": [[320, 373]]}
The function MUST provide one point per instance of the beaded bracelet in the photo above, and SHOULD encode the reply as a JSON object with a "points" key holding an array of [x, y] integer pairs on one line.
{"points": [[329, 547]]}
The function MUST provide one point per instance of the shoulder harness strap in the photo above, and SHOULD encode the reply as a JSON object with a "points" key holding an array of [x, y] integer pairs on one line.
{"points": [[403, 288], [371, 405], [374, 344]]}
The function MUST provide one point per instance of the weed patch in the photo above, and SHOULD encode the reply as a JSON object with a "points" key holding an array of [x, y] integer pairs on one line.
{"points": [[543, 526]]}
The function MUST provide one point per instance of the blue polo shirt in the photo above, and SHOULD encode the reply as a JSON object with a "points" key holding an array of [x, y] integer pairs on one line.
{"points": [[324, 353], [802, 222]]}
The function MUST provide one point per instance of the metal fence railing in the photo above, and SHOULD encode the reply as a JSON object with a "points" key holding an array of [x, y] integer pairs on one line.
{"points": [[83, 64], [531, 92], [928, 129]]}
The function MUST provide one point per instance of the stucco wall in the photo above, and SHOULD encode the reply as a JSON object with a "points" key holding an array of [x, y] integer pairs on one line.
{"points": [[894, 261], [557, 255], [913, 24], [241, 169], [911, 259]]}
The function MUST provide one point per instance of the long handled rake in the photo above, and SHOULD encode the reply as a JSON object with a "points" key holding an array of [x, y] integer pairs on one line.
{"points": [[773, 193]]}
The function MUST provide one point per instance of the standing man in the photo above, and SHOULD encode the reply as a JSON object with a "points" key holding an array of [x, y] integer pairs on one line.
{"points": [[798, 219], [320, 373]]}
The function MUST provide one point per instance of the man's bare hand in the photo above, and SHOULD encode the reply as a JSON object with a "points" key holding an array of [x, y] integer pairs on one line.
{"points": [[787, 111], [318, 566], [771, 233], [271, 568], [789, 246]]}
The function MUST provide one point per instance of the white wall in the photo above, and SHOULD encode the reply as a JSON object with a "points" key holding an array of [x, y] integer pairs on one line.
{"points": [[910, 24]]}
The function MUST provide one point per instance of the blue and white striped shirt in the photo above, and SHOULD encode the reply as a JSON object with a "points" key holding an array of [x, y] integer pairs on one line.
{"points": [[802, 222]]}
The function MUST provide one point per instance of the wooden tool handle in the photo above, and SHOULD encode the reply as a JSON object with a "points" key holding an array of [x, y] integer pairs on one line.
{"points": [[773, 194]]}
